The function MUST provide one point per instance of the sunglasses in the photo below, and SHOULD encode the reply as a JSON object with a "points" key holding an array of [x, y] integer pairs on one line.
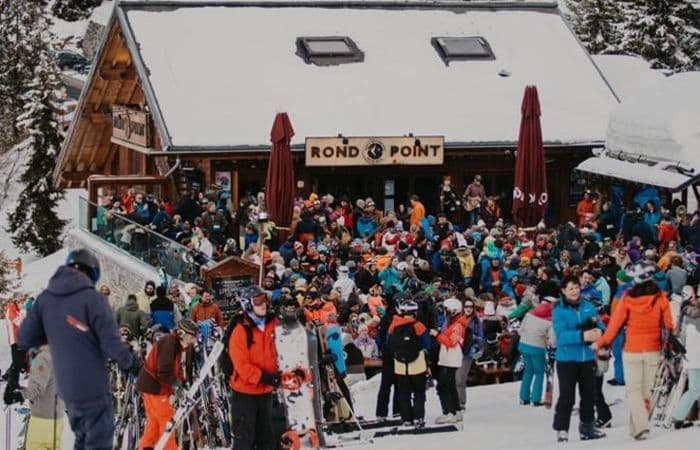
{"points": [[469, 306]]}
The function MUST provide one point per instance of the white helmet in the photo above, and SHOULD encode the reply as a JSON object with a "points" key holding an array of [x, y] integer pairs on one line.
{"points": [[452, 306]]}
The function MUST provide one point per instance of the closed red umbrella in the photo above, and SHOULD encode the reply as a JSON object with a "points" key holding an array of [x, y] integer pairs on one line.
{"points": [[279, 183], [530, 186]]}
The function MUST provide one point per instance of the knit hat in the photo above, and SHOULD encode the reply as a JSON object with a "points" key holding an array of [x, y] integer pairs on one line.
{"points": [[187, 326], [622, 276]]}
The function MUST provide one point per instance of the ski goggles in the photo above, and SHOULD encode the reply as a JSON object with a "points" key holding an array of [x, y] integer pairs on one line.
{"points": [[259, 300]]}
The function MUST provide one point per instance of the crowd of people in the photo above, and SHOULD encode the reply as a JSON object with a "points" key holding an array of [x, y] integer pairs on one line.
{"points": [[428, 296]]}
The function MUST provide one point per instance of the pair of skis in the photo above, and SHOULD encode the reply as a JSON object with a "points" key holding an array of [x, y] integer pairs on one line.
{"points": [[549, 376], [669, 385]]}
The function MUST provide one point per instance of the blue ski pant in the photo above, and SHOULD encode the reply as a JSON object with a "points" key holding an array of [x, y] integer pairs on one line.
{"points": [[533, 377], [92, 423], [617, 344]]}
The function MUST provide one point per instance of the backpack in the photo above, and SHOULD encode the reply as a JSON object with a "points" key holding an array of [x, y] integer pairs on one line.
{"points": [[405, 343]]}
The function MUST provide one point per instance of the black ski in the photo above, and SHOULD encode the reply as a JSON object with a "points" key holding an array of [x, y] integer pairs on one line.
{"points": [[425, 430], [344, 427]]}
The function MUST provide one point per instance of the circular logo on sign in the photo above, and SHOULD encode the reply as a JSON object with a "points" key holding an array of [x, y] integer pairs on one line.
{"points": [[373, 152]]}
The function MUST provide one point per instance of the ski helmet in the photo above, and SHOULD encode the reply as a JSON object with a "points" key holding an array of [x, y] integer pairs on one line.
{"points": [[640, 272], [251, 296], [85, 261], [407, 307], [452, 306]]}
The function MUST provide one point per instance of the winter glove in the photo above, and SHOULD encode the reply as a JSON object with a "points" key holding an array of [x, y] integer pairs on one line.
{"points": [[592, 335], [328, 358], [270, 379], [135, 367], [13, 396]]}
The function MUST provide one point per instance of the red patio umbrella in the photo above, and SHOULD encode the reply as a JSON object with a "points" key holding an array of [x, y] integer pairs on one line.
{"points": [[279, 183], [530, 187]]}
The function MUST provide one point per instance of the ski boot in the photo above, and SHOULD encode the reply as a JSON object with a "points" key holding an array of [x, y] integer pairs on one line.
{"points": [[562, 436], [680, 424], [588, 432]]}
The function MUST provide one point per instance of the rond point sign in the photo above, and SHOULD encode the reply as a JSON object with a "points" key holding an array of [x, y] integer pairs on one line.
{"points": [[372, 151]]}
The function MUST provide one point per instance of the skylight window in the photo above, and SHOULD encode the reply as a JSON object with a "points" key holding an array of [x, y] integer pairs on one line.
{"points": [[329, 50], [463, 48]]}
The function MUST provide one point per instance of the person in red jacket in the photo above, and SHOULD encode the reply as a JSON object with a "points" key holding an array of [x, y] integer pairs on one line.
{"points": [[255, 372], [667, 233], [450, 359], [158, 379], [646, 312], [206, 309], [585, 208]]}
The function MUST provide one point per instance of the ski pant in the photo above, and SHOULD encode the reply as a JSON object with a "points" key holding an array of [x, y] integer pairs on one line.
{"points": [[533, 377], [447, 390], [617, 344], [158, 412], [689, 397], [388, 380], [640, 373], [43, 434], [569, 374], [602, 410], [252, 421], [340, 379], [411, 390], [92, 423], [461, 381]]}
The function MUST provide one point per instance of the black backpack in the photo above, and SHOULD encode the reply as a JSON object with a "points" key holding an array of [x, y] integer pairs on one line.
{"points": [[405, 343]]}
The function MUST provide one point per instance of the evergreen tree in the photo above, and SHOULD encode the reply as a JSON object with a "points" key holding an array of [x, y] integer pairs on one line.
{"points": [[664, 32], [5, 283], [72, 10], [34, 224], [597, 24]]}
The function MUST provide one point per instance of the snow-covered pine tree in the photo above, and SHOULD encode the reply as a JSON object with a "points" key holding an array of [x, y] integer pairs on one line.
{"points": [[664, 32], [4, 274], [597, 23], [72, 10], [34, 224]]}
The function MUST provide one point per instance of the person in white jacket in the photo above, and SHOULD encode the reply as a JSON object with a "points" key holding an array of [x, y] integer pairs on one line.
{"points": [[690, 336], [344, 283]]}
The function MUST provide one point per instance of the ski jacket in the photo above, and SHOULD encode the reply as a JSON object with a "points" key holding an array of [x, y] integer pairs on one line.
{"points": [[419, 365], [466, 262], [374, 302], [144, 301], [163, 313], [645, 317], [162, 368], [13, 320], [535, 329], [41, 388], [205, 311], [568, 322], [252, 351], [345, 285], [79, 326], [450, 340], [133, 318]]}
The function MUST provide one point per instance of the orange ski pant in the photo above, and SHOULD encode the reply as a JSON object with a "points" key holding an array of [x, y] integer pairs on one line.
{"points": [[158, 412]]}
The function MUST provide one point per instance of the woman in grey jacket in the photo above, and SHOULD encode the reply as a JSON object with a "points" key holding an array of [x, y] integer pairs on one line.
{"points": [[690, 336]]}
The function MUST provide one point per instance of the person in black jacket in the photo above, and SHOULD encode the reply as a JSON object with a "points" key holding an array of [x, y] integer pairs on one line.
{"points": [[606, 222], [388, 380], [188, 207]]}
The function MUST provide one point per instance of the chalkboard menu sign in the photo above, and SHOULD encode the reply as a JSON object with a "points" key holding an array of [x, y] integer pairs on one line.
{"points": [[227, 290]]}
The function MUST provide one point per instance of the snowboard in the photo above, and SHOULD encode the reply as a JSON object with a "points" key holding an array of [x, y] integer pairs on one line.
{"points": [[425, 430], [297, 388]]}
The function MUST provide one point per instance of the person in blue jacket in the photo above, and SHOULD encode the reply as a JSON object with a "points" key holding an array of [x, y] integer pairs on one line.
{"points": [[576, 326], [77, 323]]}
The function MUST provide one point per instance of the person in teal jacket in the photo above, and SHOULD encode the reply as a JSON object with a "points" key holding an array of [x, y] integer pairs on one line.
{"points": [[576, 326]]}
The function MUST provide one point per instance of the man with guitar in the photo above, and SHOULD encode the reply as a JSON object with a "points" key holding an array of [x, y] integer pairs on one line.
{"points": [[473, 196]]}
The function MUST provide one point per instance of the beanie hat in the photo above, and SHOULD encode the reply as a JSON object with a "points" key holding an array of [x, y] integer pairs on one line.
{"points": [[187, 326], [150, 283], [622, 276]]}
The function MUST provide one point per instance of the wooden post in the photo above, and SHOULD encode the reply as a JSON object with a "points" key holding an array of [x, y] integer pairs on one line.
{"points": [[261, 227]]}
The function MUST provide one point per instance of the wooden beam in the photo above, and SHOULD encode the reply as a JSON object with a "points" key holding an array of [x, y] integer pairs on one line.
{"points": [[77, 176], [138, 148], [117, 73], [100, 118]]}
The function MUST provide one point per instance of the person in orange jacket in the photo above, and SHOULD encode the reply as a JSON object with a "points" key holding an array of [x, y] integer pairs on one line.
{"points": [[667, 233], [159, 378], [206, 309], [585, 208], [255, 372], [417, 211], [646, 312]]}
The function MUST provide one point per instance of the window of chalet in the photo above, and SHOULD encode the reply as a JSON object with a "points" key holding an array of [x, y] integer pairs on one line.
{"points": [[328, 50], [471, 48]]}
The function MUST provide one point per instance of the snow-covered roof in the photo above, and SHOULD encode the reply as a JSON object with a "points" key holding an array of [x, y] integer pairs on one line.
{"points": [[627, 74], [661, 125], [220, 73]]}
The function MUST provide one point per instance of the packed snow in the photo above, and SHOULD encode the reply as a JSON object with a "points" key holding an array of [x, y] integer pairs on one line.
{"points": [[628, 75], [212, 95]]}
